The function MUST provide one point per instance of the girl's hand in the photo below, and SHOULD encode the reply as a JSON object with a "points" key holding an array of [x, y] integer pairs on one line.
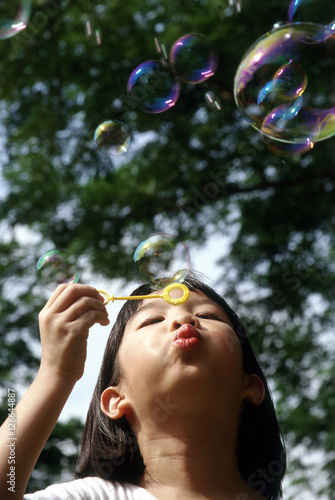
{"points": [[64, 325]]}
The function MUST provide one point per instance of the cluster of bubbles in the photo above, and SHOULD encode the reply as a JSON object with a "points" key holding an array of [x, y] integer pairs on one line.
{"points": [[14, 17], [277, 85], [155, 86], [160, 259], [56, 267], [285, 82]]}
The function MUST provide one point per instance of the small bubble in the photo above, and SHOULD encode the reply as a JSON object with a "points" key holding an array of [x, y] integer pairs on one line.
{"points": [[56, 267], [192, 58], [212, 101], [162, 259], [112, 137], [161, 51], [153, 88], [93, 33], [14, 16]]}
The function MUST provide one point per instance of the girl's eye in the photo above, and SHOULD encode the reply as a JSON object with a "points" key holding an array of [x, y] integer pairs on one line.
{"points": [[151, 321], [210, 315]]}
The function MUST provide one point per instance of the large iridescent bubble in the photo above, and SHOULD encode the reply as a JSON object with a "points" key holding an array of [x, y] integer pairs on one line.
{"points": [[56, 267], [152, 87], [285, 84], [162, 259], [14, 15], [192, 58]]}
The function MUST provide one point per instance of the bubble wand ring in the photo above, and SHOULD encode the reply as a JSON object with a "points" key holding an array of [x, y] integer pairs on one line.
{"points": [[165, 295]]}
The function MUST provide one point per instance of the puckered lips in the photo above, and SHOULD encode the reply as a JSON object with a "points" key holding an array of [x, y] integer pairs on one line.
{"points": [[187, 336]]}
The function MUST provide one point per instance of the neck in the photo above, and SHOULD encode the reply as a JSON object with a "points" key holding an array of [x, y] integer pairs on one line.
{"points": [[193, 466], [192, 459]]}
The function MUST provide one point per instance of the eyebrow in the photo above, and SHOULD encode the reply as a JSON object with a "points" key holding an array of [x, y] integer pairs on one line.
{"points": [[150, 305]]}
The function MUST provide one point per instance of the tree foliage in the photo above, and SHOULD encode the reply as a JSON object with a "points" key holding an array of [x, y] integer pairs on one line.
{"points": [[192, 171]]}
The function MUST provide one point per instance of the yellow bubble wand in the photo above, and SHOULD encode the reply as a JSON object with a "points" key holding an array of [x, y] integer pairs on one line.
{"points": [[165, 295]]}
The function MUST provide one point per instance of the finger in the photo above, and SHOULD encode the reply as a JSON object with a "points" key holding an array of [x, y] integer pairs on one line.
{"points": [[86, 320], [71, 293], [83, 305], [93, 317], [55, 294]]}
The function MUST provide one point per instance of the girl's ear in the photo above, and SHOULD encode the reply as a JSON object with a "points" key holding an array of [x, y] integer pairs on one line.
{"points": [[254, 390], [113, 403]]}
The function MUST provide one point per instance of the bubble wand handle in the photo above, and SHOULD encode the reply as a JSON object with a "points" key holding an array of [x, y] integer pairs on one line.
{"points": [[165, 295]]}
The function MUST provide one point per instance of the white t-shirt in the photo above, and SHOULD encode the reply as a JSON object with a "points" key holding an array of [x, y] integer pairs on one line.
{"points": [[91, 488]]}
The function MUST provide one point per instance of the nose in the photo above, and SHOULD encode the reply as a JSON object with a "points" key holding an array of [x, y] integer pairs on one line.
{"points": [[183, 317]]}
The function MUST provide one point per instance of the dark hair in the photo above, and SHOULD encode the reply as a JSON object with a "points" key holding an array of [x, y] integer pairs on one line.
{"points": [[109, 447]]}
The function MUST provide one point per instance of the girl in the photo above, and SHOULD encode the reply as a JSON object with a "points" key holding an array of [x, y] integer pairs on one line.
{"points": [[181, 409]]}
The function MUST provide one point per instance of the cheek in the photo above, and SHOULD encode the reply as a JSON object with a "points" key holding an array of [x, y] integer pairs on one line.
{"points": [[231, 344], [128, 360], [138, 360], [229, 354], [143, 373]]}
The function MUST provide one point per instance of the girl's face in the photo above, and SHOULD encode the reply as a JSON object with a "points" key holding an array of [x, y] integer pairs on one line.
{"points": [[188, 353]]}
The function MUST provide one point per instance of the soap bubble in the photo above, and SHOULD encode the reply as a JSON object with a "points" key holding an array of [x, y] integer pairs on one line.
{"points": [[283, 91], [153, 88], [235, 3], [112, 137], [161, 51], [14, 15], [320, 12], [285, 87], [192, 58], [162, 259], [278, 93], [311, 11], [295, 74], [93, 33], [56, 267], [212, 101], [286, 149], [276, 121]]}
